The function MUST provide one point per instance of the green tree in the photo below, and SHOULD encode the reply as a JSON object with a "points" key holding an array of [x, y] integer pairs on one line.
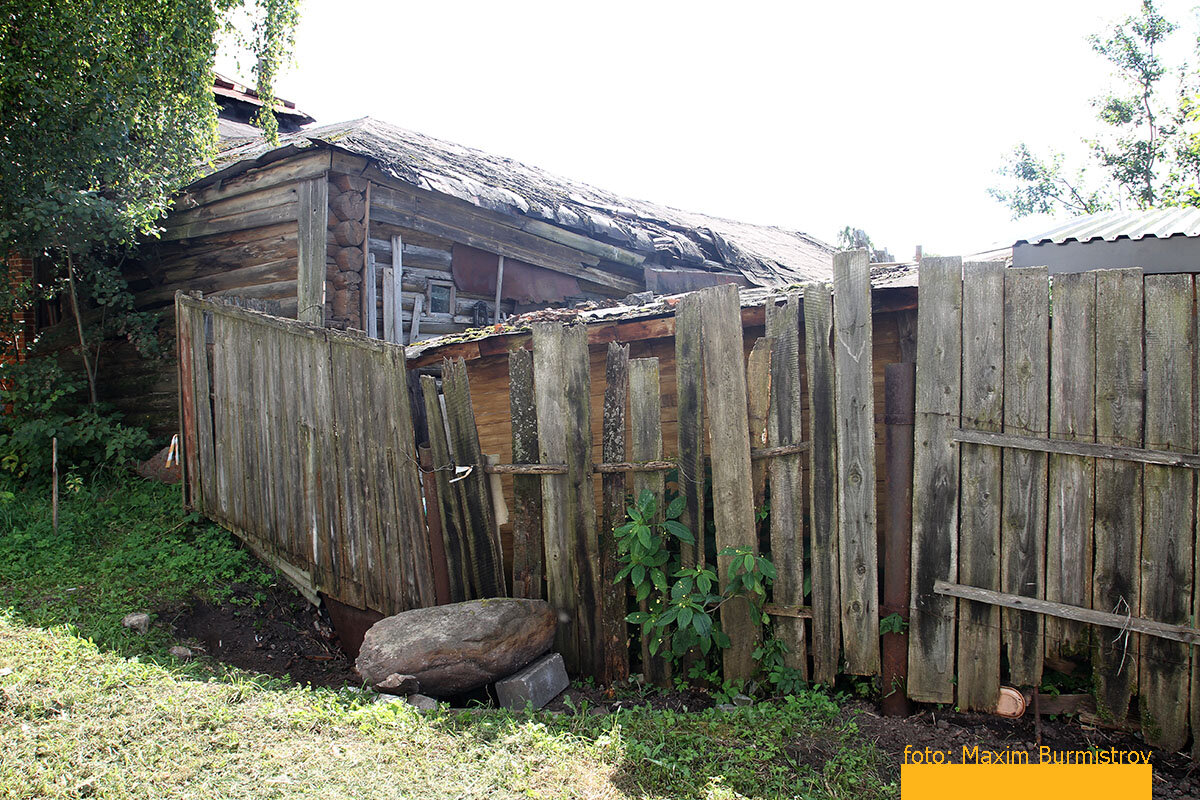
{"points": [[1146, 152], [106, 108]]}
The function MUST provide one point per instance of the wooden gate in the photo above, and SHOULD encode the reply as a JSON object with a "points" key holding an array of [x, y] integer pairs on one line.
{"points": [[1054, 507]]}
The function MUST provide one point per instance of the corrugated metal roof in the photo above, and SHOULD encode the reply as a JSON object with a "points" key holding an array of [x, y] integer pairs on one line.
{"points": [[1160, 223]]}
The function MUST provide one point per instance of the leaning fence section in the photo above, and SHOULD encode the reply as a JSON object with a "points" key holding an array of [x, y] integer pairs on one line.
{"points": [[1054, 509]]}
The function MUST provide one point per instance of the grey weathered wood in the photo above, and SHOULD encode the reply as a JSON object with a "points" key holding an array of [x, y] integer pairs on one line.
{"points": [[1104, 452], [979, 521], [935, 480], [645, 424], [1072, 478], [1185, 634], [1118, 516], [312, 217], [403, 463], [552, 445], [1026, 413], [482, 535], [527, 489], [787, 475], [689, 411], [758, 401], [1168, 532], [499, 287], [450, 504], [822, 483], [415, 329], [614, 630], [204, 412], [370, 281], [389, 303], [856, 461], [733, 494], [397, 290]]}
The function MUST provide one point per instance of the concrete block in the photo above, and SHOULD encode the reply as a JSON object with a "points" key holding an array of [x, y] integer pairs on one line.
{"points": [[535, 685]]}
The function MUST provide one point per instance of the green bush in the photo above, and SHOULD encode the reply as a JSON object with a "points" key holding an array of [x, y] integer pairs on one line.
{"points": [[41, 402]]}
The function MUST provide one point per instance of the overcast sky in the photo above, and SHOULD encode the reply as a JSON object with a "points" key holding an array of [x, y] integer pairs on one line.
{"points": [[887, 116]]}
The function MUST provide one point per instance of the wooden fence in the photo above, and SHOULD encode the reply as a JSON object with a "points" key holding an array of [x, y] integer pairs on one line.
{"points": [[1054, 488]]}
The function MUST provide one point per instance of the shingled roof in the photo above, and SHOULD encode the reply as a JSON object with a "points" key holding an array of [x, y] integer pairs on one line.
{"points": [[765, 256]]}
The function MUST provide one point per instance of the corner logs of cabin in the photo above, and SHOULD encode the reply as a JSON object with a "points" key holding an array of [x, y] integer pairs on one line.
{"points": [[345, 251]]}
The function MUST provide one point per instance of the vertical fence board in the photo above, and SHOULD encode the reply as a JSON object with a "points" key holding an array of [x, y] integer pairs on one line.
{"points": [[1072, 478], [189, 465], [202, 396], [586, 567], [1118, 515], [410, 513], [979, 507], [449, 500], [552, 445], [645, 423], [822, 482], [527, 489], [935, 480], [689, 411], [787, 476], [733, 494], [1026, 412], [1168, 524], [856, 461], [615, 632], [483, 539], [758, 402], [389, 301]]}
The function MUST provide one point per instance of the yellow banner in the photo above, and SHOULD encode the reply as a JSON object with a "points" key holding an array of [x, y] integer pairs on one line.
{"points": [[1095, 781]]}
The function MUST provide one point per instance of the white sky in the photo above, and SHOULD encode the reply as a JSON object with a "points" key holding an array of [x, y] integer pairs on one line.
{"points": [[887, 116]]}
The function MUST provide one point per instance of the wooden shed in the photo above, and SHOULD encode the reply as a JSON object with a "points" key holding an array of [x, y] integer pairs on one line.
{"points": [[363, 225], [649, 330]]}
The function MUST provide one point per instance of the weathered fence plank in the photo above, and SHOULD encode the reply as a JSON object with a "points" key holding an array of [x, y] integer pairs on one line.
{"points": [[404, 463], [1072, 479], [1118, 515], [450, 503], [614, 629], [758, 402], [1026, 412], [856, 461], [202, 381], [482, 536], [689, 410], [312, 216], [645, 423], [1168, 531], [787, 476], [733, 494], [550, 397], [979, 531], [822, 491], [935, 480], [527, 489]]}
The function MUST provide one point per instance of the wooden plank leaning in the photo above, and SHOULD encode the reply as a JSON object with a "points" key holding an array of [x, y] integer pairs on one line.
{"points": [[689, 411], [450, 501], [935, 480], [527, 489], [786, 475], [614, 628], [856, 461]]}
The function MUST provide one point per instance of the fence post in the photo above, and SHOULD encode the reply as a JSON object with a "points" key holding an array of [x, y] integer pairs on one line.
{"points": [[897, 537]]}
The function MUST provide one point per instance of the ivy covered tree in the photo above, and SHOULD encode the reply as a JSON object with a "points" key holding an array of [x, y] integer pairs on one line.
{"points": [[1146, 152], [106, 108]]}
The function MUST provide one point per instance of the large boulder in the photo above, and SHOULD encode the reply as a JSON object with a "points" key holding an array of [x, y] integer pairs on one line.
{"points": [[454, 648]]}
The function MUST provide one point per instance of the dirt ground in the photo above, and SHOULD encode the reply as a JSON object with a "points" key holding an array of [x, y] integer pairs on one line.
{"points": [[1175, 776], [282, 636], [286, 636]]}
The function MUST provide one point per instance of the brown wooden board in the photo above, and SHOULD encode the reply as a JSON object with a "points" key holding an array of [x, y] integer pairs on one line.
{"points": [[483, 538], [935, 480], [856, 461], [733, 494], [1026, 412], [758, 401], [552, 445], [449, 495], [614, 629], [822, 483], [312, 216], [1168, 526], [1117, 534], [787, 477], [645, 424], [1072, 479], [527, 489], [689, 398], [979, 506]]}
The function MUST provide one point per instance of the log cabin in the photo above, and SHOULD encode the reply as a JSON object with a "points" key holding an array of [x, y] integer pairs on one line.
{"points": [[364, 225]]}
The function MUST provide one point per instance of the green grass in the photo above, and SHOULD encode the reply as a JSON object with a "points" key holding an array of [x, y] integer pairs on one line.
{"points": [[85, 713]]}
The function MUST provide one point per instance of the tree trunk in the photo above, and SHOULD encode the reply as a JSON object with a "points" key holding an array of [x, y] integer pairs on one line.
{"points": [[83, 350]]}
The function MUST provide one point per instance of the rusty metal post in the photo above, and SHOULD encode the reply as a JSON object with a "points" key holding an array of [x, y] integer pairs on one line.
{"points": [[899, 401]]}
